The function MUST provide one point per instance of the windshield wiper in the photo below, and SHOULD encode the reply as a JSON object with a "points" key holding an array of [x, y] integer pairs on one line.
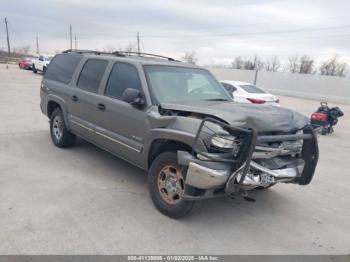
{"points": [[217, 99]]}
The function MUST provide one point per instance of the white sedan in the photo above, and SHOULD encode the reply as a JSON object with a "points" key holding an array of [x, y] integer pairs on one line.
{"points": [[243, 92]]}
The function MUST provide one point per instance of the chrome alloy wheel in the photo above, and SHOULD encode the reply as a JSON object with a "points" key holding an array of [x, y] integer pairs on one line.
{"points": [[57, 127], [171, 185]]}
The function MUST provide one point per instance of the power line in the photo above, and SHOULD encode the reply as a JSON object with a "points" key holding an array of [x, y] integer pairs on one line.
{"points": [[265, 22], [300, 30]]}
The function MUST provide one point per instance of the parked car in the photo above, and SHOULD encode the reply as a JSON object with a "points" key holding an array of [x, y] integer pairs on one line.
{"points": [[176, 121], [25, 63], [243, 92], [41, 63]]}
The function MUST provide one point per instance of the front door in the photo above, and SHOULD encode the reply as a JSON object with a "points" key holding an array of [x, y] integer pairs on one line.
{"points": [[121, 127]]}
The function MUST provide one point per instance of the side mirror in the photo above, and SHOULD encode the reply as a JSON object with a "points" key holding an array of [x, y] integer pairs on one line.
{"points": [[133, 97]]}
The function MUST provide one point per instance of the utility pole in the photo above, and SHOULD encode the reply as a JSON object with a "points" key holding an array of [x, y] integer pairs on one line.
{"points": [[37, 45], [70, 36], [138, 43], [8, 38], [75, 42], [256, 76]]}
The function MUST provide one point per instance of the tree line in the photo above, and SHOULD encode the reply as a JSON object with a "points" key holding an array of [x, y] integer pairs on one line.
{"points": [[296, 64]]}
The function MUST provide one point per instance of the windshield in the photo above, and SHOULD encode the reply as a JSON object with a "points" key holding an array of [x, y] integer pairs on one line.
{"points": [[252, 89], [181, 84]]}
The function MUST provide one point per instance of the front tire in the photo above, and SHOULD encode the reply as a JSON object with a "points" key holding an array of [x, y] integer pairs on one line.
{"points": [[166, 184], [34, 69], [60, 135]]}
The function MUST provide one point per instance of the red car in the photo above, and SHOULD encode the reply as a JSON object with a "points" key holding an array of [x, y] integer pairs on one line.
{"points": [[25, 63]]}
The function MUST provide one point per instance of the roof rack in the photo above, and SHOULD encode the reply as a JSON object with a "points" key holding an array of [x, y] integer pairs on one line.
{"points": [[119, 53]]}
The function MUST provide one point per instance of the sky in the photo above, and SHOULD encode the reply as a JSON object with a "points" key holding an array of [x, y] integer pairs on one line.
{"points": [[217, 30]]}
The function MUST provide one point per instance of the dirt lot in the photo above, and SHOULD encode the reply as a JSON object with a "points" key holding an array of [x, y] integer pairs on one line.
{"points": [[84, 201]]}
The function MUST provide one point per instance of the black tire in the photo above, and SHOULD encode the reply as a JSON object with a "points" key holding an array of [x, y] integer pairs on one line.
{"points": [[324, 131], [44, 69], [179, 209], [34, 69], [66, 138]]}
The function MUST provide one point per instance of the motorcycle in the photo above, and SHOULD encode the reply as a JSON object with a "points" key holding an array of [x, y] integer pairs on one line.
{"points": [[325, 118]]}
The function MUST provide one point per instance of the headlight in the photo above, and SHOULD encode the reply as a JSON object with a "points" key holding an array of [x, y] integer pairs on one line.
{"points": [[223, 141]]}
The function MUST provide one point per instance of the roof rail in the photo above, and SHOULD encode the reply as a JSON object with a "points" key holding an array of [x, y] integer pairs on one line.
{"points": [[127, 53], [82, 51], [119, 53]]}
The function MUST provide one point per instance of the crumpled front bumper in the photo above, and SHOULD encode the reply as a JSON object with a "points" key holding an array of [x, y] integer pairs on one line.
{"points": [[213, 175]]}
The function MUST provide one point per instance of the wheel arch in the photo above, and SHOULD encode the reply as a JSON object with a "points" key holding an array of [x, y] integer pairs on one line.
{"points": [[168, 140], [54, 102]]}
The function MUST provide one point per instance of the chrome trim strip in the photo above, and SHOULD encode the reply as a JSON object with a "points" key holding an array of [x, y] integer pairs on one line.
{"points": [[117, 141], [81, 125]]}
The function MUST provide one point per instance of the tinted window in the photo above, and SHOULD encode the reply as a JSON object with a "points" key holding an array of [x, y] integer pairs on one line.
{"points": [[229, 87], [91, 75], [252, 89], [123, 76], [62, 67]]}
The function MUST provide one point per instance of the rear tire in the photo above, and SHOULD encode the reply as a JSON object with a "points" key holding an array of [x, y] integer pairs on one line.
{"points": [[60, 135], [170, 203], [44, 69]]}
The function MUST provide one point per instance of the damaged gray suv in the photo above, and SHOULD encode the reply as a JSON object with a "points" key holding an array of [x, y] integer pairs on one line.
{"points": [[176, 121]]}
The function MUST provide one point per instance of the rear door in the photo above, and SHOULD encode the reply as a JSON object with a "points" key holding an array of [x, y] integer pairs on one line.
{"points": [[121, 127], [82, 104]]}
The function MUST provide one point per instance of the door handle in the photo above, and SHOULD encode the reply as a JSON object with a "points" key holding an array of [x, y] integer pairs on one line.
{"points": [[101, 107], [75, 98]]}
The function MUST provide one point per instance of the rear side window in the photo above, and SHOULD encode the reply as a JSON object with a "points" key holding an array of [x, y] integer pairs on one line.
{"points": [[252, 89], [91, 75], [229, 87], [123, 76], [62, 67]]}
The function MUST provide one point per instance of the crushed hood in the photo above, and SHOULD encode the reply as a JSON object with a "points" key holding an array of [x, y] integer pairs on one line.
{"points": [[263, 118]]}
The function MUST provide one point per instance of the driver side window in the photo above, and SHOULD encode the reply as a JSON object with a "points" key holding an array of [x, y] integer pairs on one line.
{"points": [[122, 76]]}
